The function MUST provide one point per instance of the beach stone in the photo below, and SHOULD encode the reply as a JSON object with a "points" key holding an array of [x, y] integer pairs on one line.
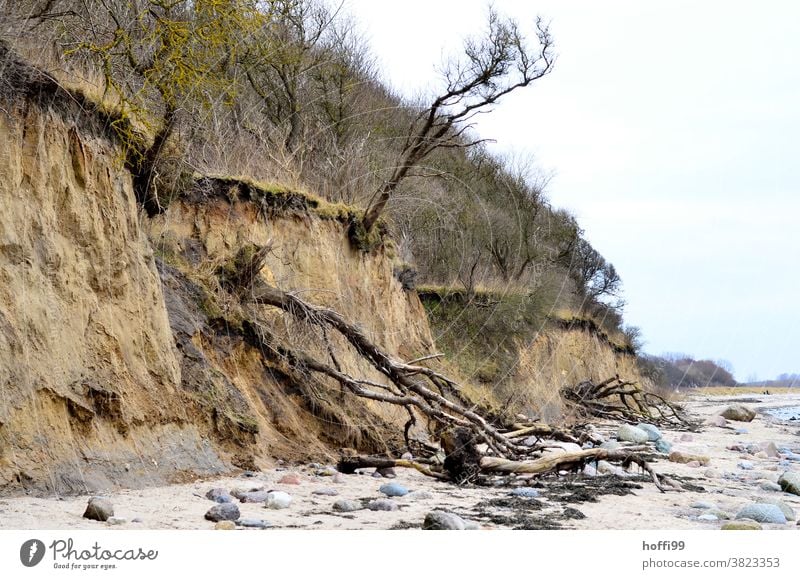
{"points": [[712, 473], [768, 485], [741, 526], [762, 513], [685, 457], [239, 492], [686, 437], [792, 456], [629, 433], [278, 500], [326, 492], [394, 490], [225, 526], [387, 472], [407, 456], [611, 445], [253, 523], [761, 454], [653, 432], [123, 520], [376, 474], [223, 512], [789, 481], [98, 509], [345, 506], [525, 492], [739, 413], [720, 514], [291, 478], [382, 505], [708, 517], [703, 505], [787, 511], [605, 467], [589, 471], [420, 495], [137, 520], [219, 495], [663, 446], [326, 471], [745, 465], [442, 521], [718, 421], [254, 497]]}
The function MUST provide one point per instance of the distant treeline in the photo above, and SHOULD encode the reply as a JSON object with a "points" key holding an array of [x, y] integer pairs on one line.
{"points": [[782, 381], [683, 371]]}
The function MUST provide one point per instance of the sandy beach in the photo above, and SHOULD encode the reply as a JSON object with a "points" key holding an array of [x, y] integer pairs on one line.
{"points": [[733, 477]]}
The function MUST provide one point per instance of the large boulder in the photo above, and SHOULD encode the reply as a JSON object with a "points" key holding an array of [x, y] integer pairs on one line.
{"points": [[787, 511], [99, 509], [739, 413], [790, 482]]}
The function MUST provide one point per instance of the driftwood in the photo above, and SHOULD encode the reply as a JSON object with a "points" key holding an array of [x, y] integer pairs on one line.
{"points": [[348, 465], [567, 461], [617, 399]]}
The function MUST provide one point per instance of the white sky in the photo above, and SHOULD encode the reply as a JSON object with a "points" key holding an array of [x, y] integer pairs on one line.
{"points": [[671, 130]]}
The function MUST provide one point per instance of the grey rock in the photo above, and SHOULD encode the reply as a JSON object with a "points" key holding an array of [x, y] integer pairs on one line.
{"points": [[762, 513], [123, 520], [253, 523], [708, 517], [768, 485], [720, 514], [717, 421], [376, 474], [223, 512], [420, 495], [254, 497], [653, 432], [611, 445], [663, 446], [394, 490], [137, 520], [443, 521], [703, 505], [326, 492], [382, 505], [629, 433], [98, 509], [790, 482], [525, 492], [745, 465], [739, 413], [589, 471], [219, 495], [345, 506], [407, 456], [742, 431], [387, 472], [787, 511]]}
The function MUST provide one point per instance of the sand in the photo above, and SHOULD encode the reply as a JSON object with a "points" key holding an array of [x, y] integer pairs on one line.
{"points": [[560, 505]]}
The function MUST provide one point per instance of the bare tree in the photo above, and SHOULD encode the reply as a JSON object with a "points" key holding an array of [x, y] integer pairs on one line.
{"points": [[492, 67]]}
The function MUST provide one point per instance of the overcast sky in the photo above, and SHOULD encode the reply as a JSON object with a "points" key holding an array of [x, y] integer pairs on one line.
{"points": [[671, 130]]}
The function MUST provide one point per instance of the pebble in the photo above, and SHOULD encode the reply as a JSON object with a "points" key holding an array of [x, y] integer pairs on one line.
{"points": [[605, 467], [254, 497], [742, 431], [745, 465], [663, 446], [394, 490], [327, 471], [762, 513], [741, 526], [407, 456], [790, 482], [420, 495], [382, 505], [787, 511], [338, 478], [345, 506], [387, 472], [326, 492], [278, 500], [528, 492], [703, 505], [717, 421], [219, 495], [137, 520], [708, 517], [240, 492], [611, 445], [684, 457], [629, 433], [225, 526], [123, 520], [712, 473], [254, 523], [768, 485], [98, 509], [223, 512], [589, 471], [443, 521], [653, 432], [290, 479], [376, 474]]}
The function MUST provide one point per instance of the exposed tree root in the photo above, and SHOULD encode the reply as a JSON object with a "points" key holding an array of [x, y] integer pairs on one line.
{"points": [[617, 399]]}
